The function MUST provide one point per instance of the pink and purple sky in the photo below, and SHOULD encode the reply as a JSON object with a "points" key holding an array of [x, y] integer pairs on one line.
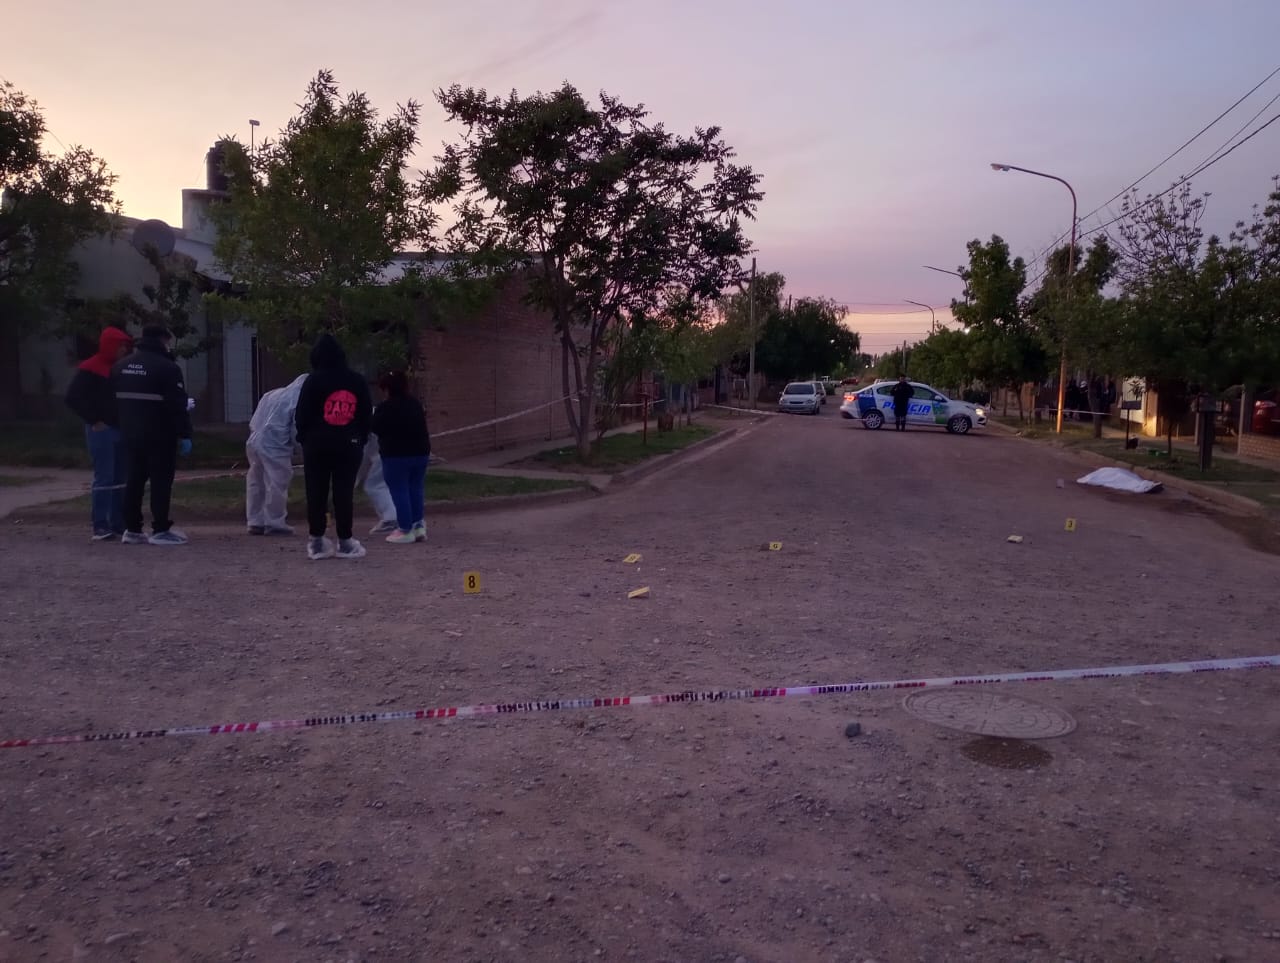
{"points": [[874, 124]]}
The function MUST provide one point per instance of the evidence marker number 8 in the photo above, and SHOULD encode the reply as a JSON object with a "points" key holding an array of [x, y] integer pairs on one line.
{"points": [[471, 583]]}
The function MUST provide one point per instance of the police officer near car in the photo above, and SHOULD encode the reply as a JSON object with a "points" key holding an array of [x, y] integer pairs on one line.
{"points": [[902, 394], [155, 424]]}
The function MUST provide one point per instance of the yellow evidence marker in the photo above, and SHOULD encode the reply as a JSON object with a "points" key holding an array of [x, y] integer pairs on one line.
{"points": [[775, 546], [640, 593], [1071, 525], [631, 559], [471, 583]]}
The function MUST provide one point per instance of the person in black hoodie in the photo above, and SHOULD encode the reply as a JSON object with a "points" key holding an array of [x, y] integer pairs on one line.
{"points": [[155, 423], [91, 396], [334, 410]]}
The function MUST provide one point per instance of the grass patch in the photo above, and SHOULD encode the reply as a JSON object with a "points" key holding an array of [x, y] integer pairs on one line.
{"points": [[1225, 471], [615, 452], [224, 497], [1072, 431], [20, 481], [61, 444]]}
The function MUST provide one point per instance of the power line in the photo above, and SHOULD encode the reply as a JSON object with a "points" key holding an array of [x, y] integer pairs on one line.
{"points": [[1186, 177], [1217, 156], [1184, 146]]}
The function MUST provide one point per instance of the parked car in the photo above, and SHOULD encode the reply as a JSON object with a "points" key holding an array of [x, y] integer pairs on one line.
{"points": [[801, 396], [822, 391], [1266, 417], [929, 408]]}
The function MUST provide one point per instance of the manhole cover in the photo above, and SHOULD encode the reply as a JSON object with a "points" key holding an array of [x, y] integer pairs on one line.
{"points": [[988, 713]]}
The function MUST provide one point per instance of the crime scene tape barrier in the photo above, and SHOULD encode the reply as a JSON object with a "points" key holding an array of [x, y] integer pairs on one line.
{"points": [[234, 473], [609, 702], [498, 421]]}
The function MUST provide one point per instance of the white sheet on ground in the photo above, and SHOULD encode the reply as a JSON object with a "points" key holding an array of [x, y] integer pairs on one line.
{"points": [[1120, 480]]}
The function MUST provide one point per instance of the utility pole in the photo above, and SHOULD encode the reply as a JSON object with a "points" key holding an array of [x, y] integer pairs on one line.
{"points": [[751, 364], [904, 357]]}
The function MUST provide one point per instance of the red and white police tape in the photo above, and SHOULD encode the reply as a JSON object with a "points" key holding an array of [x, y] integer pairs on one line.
{"points": [[609, 702]]}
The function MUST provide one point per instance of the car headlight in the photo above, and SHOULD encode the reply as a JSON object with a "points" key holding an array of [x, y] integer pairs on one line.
{"points": [[980, 412]]}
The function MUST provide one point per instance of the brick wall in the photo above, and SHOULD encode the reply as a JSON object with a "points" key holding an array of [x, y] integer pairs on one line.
{"points": [[1260, 446], [503, 358]]}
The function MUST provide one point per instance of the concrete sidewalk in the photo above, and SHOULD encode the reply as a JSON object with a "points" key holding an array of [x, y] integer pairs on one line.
{"points": [[498, 462], [46, 485]]}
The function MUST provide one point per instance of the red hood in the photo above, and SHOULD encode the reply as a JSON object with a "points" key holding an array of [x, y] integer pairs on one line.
{"points": [[109, 343]]}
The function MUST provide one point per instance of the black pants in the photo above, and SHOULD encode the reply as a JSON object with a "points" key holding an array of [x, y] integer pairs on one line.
{"points": [[154, 463], [325, 468], [900, 419]]}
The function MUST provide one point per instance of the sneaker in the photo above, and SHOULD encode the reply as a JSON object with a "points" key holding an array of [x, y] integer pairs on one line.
{"points": [[103, 535], [319, 548], [420, 532], [402, 538], [383, 527], [134, 538], [257, 530], [171, 537], [350, 548], [278, 530]]}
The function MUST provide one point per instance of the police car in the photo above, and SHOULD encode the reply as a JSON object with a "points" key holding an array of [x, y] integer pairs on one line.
{"points": [[873, 405]]}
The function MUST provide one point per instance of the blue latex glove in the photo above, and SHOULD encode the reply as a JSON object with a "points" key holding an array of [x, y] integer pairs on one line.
{"points": [[184, 446]]}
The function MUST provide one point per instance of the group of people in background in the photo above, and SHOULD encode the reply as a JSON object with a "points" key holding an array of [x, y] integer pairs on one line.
{"points": [[136, 413]]}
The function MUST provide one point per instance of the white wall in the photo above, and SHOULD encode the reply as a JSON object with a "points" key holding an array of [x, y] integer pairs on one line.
{"points": [[237, 369]]}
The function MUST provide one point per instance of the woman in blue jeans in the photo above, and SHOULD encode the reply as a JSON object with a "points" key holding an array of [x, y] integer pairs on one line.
{"points": [[405, 447]]}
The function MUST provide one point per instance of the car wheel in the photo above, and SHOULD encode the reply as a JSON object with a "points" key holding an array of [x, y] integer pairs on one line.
{"points": [[959, 425], [872, 420]]}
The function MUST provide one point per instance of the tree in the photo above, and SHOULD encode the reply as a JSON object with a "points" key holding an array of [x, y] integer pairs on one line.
{"points": [[614, 217], [732, 335], [686, 356], [314, 219], [1188, 313], [1071, 311], [51, 203], [1004, 351], [805, 339], [942, 360]]}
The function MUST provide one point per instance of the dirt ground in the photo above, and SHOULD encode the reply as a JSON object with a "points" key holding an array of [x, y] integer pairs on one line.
{"points": [[709, 832]]}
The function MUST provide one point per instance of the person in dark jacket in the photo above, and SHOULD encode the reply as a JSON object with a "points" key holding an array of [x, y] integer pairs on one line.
{"points": [[92, 398], [334, 410], [155, 423], [902, 394], [404, 445]]}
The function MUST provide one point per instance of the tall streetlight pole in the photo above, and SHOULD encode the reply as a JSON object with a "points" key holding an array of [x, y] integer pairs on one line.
{"points": [[751, 365], [930, 267], [1071, 270], [253, 129], [933, 318]]}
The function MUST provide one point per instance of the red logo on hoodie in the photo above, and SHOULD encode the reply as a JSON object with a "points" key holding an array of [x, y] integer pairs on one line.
{"points": [[340, 409]]}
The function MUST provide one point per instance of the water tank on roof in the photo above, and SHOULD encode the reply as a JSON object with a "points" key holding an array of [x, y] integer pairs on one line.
{"points": [[214, 161]]}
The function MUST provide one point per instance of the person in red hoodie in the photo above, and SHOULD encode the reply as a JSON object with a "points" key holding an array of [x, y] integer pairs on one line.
{"points": [[91, 396]]}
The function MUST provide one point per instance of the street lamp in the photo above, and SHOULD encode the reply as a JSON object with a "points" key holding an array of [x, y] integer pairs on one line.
{"points": [[1071, 270], [253, 127], [933, 318], [930, 267]]}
